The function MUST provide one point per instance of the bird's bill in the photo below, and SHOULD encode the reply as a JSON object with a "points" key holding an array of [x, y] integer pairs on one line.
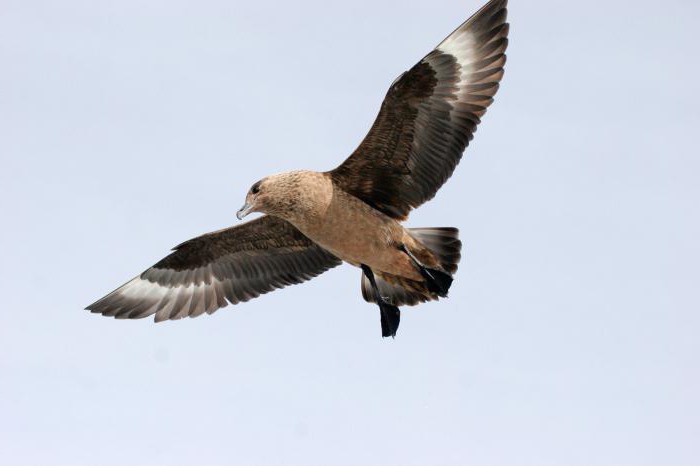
{"points": [[245, 210]]}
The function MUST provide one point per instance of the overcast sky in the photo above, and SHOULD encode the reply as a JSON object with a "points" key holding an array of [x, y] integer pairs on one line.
{"points": [[571, 333]]}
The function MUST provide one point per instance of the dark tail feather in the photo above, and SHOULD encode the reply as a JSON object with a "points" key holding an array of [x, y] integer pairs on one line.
{"points": [[437, 282], [444, 243]]}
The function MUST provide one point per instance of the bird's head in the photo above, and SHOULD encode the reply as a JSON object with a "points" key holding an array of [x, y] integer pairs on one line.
{"points": [[254, 200], [273, 195]]}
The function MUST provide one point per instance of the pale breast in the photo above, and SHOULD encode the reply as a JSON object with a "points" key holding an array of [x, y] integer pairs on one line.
{"points": [[356, 233]]}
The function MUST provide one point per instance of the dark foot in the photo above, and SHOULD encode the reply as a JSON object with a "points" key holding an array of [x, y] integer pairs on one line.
{"points": [[389, 314], [438, 282]]}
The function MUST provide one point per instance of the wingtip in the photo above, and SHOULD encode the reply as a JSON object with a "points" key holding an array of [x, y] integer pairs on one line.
{"points": [[92, 307]]}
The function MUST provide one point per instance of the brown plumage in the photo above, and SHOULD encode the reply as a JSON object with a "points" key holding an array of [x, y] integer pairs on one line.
{"points": [[316, 220]]}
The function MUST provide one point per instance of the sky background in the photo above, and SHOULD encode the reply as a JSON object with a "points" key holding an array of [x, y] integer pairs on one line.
{"points": [[571, 333]]}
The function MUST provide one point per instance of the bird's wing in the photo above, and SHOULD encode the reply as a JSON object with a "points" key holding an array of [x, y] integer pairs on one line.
{"points": [[428, 117], [206, 273]]}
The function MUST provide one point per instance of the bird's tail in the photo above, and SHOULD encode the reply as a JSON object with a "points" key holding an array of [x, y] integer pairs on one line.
{"points": [[446, 247], [444, 243]]}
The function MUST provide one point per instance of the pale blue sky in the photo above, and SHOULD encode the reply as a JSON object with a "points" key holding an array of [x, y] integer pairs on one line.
{"points": [[571, 333]]}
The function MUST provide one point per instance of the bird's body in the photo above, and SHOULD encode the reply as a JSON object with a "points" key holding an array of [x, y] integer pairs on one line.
{"points": [[316, 220], [345, 226]]}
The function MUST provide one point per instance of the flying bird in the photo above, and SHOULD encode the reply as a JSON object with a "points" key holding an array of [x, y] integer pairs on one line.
{"points": [[314, 221]]}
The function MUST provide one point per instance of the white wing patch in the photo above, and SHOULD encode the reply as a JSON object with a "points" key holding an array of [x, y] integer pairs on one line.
{"points": [[147, 298], [478, 64]]}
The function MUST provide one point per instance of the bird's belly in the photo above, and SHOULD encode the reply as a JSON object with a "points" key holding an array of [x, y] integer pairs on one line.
{"points": [[365, 239]]}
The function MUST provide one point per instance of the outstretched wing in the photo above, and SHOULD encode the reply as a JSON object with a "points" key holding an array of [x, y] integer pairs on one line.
{"points": [[428, 117], [206, 273]]}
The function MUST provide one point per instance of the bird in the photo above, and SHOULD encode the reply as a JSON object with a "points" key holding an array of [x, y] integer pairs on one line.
{"points": [[314, 221]]}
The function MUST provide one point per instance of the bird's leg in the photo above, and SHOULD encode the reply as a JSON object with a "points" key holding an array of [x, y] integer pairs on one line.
{"points": [[438, 282], [390, 314]]}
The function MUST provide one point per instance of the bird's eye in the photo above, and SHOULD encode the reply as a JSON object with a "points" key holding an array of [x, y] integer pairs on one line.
{"points": [[255, 189]]}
